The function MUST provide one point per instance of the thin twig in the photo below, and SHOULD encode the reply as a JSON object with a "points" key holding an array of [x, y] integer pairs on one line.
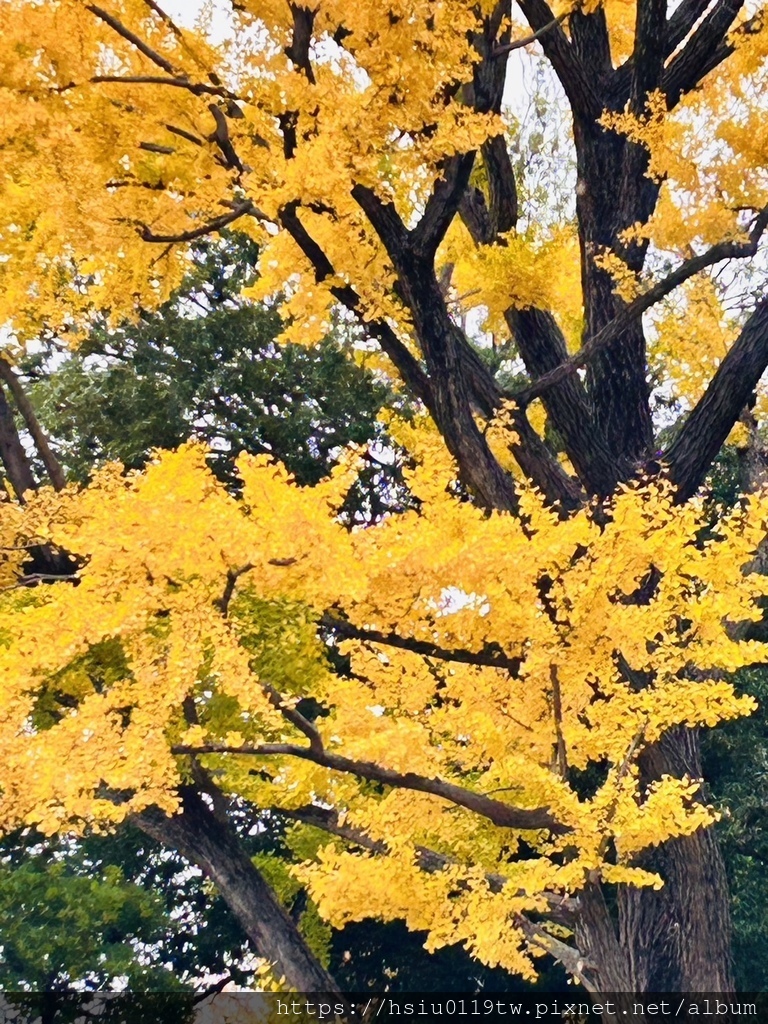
{"points": [[517, 44], [166, 18], [198, 88]]}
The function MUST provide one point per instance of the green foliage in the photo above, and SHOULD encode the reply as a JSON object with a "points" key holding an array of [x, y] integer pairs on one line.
{"points": [[736, 761], [205, 365], [59, 925]]}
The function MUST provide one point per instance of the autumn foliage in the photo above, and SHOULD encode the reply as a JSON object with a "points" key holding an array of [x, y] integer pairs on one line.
{"points": [[488, 702]]}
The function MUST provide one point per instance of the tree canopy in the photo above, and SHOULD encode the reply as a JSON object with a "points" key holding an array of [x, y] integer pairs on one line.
{"points": [[488, 698]]}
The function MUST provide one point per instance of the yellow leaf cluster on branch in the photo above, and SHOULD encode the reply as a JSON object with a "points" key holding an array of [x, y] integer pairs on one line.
{"points": [[487, 657]]}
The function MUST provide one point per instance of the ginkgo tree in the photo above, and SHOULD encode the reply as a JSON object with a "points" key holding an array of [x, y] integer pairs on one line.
{"points": [[507, 752]]}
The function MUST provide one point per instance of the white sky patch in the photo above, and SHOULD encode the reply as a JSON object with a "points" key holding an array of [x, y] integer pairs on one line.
{"points": [[454, 599], [187, 13]]}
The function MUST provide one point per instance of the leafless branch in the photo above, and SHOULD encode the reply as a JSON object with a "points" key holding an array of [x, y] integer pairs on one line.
{"points": [[40, 577], [198, 88], [174, 130], [216, 224], [488, 658], [568, 956]]}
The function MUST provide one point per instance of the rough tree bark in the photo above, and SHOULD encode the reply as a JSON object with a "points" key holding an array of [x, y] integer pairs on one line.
{"points": [[206, 839]]}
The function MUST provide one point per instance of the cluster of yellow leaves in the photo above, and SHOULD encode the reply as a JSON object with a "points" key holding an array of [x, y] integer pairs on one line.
{"points": [[523, 271], [690, 338], [98, 678], [87, 164]]}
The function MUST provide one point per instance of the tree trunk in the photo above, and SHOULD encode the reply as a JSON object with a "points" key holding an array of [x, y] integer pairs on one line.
{"points": [[12, 453], [679, 938], [210, 843]]}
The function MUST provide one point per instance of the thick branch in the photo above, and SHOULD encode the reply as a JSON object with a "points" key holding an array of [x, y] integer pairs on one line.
{"points": [[682, 21], [214, 847], [541, 467], [298, 50], [688, 68], [499, 813], [649, 51], [405, 363], [442, 205], [469, 369], [542, 347], [576, 79], [703, 433], [446, 353], [12, 453], [23, 404], [222, 139]]}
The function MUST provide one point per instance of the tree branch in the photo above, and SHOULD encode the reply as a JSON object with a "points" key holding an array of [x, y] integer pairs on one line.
{"points": [[12, 453], [689, 268], [233, 576], [166, 19], [575, 78], [648, 54], [499, 813], [215, 848], [197, 88], [405, 363], [561, 907], [221, 138], [687, 69], [132, 38], [441, 206], [682, 21], [488, 658], [298, 50], [704, 431], [518, 44], [23, 404], [297, 720], [213, 225], [542, 347]]}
